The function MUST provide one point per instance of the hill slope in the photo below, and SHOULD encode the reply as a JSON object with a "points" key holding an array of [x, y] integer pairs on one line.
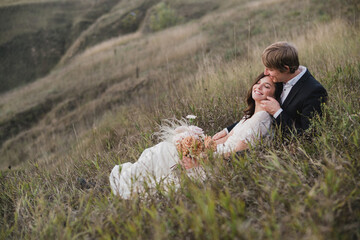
{"points": [[92, 83], [129, 69], [35, 35]]}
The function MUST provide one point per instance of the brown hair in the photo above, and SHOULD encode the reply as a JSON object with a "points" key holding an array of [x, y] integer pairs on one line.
{"points": [[250, 109], [281, 54]]}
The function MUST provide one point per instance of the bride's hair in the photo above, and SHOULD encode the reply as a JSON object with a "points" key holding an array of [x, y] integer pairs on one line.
{"points": [[250, 109]]}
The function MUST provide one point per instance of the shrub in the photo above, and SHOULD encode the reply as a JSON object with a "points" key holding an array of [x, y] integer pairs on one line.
{"points": [[163, 16], [131, 21]]}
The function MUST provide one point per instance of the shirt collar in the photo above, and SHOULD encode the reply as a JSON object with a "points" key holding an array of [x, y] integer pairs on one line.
{"points": [[295, 79]]}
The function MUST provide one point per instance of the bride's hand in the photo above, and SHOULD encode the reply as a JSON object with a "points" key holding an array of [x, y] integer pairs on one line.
{"points": [[219, 135]]}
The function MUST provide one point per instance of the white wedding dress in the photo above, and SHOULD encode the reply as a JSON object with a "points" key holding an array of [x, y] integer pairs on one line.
{"points": [[156, 164]]}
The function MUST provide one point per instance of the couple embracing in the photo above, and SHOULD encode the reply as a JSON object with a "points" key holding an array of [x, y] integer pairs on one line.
{"points": [[285, 94]]}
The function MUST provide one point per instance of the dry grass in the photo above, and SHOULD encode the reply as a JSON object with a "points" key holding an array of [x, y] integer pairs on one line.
{"points": [[112, 59], [19, 2], [96, 81], [114, 16], [300, 190]]}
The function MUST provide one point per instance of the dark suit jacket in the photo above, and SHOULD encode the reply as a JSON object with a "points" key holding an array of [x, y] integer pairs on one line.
{"points": [[304, 99]]}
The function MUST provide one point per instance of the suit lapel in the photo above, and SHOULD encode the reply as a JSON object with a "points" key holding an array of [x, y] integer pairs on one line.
{"points": [[295, 89]]}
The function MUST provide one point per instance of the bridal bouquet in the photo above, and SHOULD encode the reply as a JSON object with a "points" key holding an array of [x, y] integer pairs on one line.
{"points": [[191, 144]]}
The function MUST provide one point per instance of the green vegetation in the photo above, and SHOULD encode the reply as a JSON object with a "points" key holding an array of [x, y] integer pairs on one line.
{"points": [[130, 21], [163, 16], [94, 112]]}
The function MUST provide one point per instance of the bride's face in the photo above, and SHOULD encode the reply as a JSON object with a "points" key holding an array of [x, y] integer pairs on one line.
{"points": [[263, 88]]}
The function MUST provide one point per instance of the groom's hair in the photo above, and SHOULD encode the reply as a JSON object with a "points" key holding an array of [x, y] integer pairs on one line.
{"points": [[281, 54]]}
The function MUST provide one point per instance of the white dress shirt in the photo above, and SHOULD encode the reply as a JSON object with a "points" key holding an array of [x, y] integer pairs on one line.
{"points": [[288, 86]]}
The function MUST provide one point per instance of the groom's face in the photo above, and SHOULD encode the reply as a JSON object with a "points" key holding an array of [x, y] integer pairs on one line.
{"points": [[275, 75]]}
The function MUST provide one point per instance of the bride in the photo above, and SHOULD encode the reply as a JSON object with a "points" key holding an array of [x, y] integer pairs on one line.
{"points": [[156, 164]]}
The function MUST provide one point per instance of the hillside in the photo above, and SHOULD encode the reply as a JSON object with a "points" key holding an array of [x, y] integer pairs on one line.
{"points": [[37, 35], [106, 97], [82, 90], [128, 69]]}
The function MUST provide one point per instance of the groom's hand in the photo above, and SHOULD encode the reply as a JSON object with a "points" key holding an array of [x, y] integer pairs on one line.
{"points": [[270, 105], [219, 135]]}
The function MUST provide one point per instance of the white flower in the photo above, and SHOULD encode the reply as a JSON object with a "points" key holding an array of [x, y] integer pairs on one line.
{"points": [[181, 129], [187, 131], [190, 116], [180, 136], [196, 130]]}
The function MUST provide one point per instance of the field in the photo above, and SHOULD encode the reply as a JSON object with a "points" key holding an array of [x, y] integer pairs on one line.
{"points": [[101, 106]]}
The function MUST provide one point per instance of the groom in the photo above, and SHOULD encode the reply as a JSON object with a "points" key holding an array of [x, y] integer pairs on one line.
{"points": [[302, 95]]}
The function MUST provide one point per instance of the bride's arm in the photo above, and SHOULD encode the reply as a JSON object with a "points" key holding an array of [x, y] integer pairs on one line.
{"points": [[223, 139], [247, 132], [240, 146]]}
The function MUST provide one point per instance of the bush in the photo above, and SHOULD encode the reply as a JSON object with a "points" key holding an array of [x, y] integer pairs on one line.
{"points": [[163, 17], [131, 21]]}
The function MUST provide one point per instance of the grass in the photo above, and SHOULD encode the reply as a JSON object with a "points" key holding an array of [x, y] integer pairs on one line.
{"points": [[295, 190], [77, 94], [101, 90]]}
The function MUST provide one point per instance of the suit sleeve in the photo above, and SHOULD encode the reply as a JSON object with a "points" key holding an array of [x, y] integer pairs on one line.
{"points": [[310, 106]]}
